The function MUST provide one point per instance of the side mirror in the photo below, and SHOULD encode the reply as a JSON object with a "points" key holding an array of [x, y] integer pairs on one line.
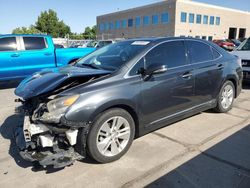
{"points": [[155, 68]]}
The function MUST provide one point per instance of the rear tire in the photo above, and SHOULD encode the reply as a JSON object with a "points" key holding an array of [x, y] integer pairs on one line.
{"points": [[111, 135], [226, 97]]}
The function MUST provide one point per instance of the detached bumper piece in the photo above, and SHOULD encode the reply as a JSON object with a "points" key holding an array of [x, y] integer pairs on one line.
{"points": [[38, 143], [58, 159]]}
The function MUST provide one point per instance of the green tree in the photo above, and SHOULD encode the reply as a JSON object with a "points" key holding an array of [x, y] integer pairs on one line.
{"points": [[76, 36], [26, 30], [90, 33], [49, 23]]}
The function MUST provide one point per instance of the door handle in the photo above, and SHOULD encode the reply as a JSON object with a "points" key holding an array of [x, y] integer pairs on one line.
{"points": [[220, 67], [47, 54], [15, 55], [187, 75]]}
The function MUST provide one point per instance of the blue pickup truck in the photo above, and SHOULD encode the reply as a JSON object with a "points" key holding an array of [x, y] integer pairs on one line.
{"points": [[22, 55]]}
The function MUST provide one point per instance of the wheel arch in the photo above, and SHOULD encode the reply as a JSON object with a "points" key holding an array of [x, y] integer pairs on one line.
{"points": [[233, 80], [130, 108]]}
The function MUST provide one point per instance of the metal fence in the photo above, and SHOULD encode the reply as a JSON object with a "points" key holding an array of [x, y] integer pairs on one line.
{"points": [[70, 42]]}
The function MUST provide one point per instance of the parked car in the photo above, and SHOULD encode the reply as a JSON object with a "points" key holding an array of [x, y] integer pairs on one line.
{"points": [[234, 41], [242, 39], [22, 55], [229, 46], [100, 43], [58, 46], [243, 52], [91, 44], [119, 92]]}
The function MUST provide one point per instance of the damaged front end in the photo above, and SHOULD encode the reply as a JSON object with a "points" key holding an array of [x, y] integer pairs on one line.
{"points": [[47, 137]]}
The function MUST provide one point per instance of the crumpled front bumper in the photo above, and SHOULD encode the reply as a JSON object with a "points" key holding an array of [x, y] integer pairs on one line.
{"points": [[29, 138]]}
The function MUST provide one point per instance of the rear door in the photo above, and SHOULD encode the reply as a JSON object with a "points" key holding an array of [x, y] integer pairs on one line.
{"points": [[9, 66], [208, 70], [36, 54]]}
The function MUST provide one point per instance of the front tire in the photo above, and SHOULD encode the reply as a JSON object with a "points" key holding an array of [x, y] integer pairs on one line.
{"points": [[111, 135], [226, 97]]}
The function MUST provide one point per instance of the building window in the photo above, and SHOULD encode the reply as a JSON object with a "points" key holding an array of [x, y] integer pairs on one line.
{"points": [[137, 21], [111, 25], [191, 18], [204, 37], [124, 23], [217, 21], [102, 27], [197, 37], [211, 21], [107, 26], [118, 24], [198, 19], [145, 20], [155, 19], [210, 38], [164, 17], [205, 19], [183, 17], [130, 22]]}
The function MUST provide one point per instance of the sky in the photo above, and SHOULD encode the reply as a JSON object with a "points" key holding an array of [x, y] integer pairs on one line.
{"points": [[78, 14]]}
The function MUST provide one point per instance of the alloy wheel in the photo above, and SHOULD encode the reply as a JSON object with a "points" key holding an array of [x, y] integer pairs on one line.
{"points": [[227, 96], [113, 136]]}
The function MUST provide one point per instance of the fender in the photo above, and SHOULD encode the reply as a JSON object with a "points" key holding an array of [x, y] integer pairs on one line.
{"points": [[88, 112]]}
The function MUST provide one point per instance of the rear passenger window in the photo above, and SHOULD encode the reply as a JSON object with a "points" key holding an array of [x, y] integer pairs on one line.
{"points": [[215, 53], [8, 44], [34, 43], [199, 52], [172, 54]]}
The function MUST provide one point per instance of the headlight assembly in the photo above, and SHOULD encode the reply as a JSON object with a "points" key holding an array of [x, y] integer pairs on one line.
{"points": [[61, 104]]}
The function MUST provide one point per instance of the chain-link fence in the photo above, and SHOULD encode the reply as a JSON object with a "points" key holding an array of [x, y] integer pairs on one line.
{"points": [[71, 43]]}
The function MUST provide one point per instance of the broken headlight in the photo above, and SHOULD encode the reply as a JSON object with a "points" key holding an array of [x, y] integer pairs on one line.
{"points": [[57, 107], [61, 104]]}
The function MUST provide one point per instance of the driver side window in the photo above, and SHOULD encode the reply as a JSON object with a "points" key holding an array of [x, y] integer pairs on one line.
{"points": [[171, 54]]}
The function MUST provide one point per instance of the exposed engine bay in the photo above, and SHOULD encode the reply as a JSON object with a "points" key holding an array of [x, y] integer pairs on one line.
{"points": [[46, 136]]}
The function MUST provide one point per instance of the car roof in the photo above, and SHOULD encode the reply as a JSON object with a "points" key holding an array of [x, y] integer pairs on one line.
{"points": [[21, 35], [161, 39]]}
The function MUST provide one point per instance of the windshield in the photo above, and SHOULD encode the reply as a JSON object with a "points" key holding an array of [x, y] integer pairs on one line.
{"points": [[245, 46], [113, 56]]}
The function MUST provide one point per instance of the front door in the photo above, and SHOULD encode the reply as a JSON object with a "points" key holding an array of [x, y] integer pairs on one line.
{"points": [[9, 56], [167, 94]]}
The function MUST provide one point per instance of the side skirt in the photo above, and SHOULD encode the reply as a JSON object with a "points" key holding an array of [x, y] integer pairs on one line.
{"points": [[163, 122]]}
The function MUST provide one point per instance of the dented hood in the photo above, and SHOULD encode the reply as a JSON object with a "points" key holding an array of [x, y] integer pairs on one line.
{"points": [[49, 79]]}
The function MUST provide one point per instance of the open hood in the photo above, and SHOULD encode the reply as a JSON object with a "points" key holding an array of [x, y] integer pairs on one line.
{"points": [[50, 79]]}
